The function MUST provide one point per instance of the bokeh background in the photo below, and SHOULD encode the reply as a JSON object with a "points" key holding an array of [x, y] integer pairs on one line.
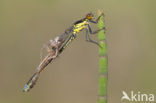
{"points": [[25, 25]]}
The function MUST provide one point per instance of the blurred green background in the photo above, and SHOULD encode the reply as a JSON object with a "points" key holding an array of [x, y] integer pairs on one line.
{"points": [[25, 25]]}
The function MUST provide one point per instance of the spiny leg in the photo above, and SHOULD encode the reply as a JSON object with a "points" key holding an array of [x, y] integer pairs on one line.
{"points": [[89, 39], [96, 21], [94, 32]]}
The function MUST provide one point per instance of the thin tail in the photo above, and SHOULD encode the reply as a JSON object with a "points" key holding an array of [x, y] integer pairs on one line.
{"points": [[31, 82]]}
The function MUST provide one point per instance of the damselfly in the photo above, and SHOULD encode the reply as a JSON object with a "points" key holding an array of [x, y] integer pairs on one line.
{"points": [[56, 46]]}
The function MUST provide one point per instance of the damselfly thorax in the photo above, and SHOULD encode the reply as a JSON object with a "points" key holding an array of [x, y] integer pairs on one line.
{"points": [[80, 25]]}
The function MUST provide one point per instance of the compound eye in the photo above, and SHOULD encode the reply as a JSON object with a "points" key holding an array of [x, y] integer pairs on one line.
{"points": [[89, 16]]}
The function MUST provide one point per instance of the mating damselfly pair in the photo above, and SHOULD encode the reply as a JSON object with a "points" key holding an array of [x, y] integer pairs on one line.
{"points": [[56, 46]]}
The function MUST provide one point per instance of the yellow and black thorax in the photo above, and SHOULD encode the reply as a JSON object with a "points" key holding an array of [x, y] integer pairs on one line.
{"points": [[80, 25]]}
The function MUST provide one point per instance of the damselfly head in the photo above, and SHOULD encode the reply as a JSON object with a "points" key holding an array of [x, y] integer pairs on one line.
{"points": [[90, 16]]}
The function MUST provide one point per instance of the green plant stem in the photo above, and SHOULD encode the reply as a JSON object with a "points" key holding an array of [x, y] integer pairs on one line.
{"points": [[102, 64]]}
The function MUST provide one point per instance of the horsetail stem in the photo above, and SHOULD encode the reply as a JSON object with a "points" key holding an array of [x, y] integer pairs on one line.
{"points": [[103, 70]]}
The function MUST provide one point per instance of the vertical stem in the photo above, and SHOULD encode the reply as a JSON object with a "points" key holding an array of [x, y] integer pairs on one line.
{"points": [[102, 98]]}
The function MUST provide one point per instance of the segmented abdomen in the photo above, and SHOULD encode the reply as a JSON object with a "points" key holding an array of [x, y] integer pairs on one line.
{"points": [[31, 82]]}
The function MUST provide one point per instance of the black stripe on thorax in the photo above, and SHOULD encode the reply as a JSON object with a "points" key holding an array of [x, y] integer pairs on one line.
{"points": [[80, 21]]}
